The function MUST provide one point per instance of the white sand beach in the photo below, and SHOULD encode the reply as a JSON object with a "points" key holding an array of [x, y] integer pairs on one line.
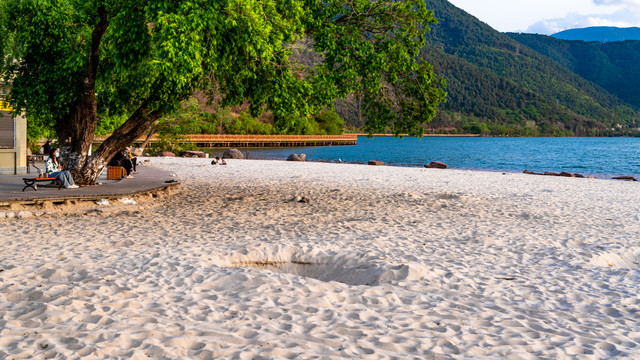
{"points": [[381, 263]]}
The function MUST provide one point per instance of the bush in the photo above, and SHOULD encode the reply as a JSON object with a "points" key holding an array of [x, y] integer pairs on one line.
{"points": [[476, 128], [246, 125], [324, 123], [35, 147], [172, 143], [294, 125], [330, 123], [210, 123]]}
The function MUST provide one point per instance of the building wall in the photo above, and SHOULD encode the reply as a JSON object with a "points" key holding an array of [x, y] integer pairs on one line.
{"points": [[13, 139], [22, 145]]}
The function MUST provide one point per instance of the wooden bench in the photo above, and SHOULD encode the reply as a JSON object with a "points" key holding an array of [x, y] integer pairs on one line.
{"points": [[116, 172], [32, 182]]}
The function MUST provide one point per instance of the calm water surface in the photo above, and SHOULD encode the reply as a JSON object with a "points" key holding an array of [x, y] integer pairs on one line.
{"points": [[600, 157]]}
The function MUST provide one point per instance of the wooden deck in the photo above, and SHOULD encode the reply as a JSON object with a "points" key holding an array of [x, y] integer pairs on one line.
{"points": [[251, 141], [148, 179]]}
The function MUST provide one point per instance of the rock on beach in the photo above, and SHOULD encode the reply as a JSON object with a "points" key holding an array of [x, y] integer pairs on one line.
{"points": [[297, 157], [436, 165], [232, 154], [628, 178], [551, 173], [199, 154]]}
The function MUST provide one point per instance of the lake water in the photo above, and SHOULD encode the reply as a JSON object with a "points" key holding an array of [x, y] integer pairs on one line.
{"points": [[600, 157]]}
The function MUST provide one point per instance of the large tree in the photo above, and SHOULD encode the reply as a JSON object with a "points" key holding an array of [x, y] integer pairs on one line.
{"points": [[75, 62]]}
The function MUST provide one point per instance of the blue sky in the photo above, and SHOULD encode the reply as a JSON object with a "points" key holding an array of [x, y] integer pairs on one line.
{"points": [[551, 16]]}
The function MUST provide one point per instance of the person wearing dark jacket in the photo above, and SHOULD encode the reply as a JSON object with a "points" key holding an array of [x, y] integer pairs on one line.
{"points": [[121, 160], [46, 149]]}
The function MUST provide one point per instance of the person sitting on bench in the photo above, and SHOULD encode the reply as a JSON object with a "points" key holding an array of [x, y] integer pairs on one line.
{"points": [[121, 160], [54, 169], [128, 153]]}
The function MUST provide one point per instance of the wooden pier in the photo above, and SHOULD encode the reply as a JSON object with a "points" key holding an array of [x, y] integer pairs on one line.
{"points": [[258, 141]]}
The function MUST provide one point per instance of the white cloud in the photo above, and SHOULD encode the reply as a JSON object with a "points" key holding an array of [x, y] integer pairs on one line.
{"points": [[627, 14], [575, 21], [631, 3], [551, 16]]}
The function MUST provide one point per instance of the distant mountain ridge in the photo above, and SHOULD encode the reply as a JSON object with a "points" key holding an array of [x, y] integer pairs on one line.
{"points": [[600, 34]]}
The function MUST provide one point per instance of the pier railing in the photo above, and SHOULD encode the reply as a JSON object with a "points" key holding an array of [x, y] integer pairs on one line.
{"points": [[258, 140]]}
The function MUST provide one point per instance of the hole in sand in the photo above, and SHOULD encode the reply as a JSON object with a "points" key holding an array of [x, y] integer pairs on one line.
{"points": [[347, 272]]}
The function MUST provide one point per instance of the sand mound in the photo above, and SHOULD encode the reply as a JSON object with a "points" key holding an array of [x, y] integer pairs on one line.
{"points": [[623, 258], [347, 269]]}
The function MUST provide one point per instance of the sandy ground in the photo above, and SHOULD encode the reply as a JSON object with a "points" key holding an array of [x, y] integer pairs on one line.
{"points": [[381, 262]]}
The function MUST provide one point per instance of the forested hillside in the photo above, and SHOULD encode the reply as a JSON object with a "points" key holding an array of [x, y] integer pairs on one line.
{"points": [[497, 85], [612, 65]]}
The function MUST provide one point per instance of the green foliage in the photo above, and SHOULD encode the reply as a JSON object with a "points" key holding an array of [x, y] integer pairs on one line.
{"points": [[108, 124], [151, 55], [476, 128], [294, 124], [360, 48], [330, 123], [189, 119], [36, 131], [186, 120], [47, 40], [247, 125]]}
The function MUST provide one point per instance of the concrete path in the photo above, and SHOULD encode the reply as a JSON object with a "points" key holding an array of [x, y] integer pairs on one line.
{"points": [[148, 179]]}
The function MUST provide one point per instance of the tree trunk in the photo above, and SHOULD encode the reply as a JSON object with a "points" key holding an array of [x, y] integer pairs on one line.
{"points": [[77, 136], [152, 131], [132, 129], [359, 104], [76, 131]]}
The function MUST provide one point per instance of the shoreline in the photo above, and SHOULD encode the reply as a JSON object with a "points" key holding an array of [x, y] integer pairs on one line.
{"points": [[586, 175], [589, 157]]}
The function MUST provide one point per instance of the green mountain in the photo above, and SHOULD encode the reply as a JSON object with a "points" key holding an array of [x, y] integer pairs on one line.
{"points": [[500, 86], [496, 80], [600, 33], [612, 65]]}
